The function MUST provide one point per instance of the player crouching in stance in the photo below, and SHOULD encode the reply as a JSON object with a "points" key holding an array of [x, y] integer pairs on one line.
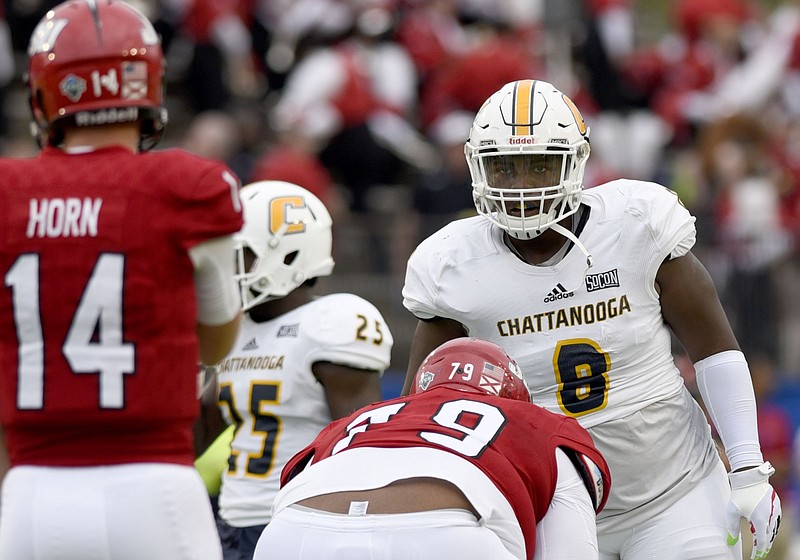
{"points": [[465, 467]]}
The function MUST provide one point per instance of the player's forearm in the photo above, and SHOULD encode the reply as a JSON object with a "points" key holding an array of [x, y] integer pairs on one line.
{"points": [[217, 340], [218, 300], [208, 427]]}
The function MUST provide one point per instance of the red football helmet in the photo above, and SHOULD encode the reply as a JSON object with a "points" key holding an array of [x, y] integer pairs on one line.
{"points": [[94, 62], [472, 365]]}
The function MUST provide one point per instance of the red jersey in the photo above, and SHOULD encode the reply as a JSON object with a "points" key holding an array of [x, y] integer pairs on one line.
{"points": [[98, 351], [512, 442]]}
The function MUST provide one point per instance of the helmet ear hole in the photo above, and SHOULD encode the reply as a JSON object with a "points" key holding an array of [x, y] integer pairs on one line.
{"points": [[249, 258], [290, 258]]}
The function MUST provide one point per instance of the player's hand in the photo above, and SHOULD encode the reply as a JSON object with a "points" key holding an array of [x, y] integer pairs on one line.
{"points": [[753, 498]]}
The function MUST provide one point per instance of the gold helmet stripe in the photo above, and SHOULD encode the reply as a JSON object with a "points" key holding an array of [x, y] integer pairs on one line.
{"points": [[523, 108], [577, 114]]}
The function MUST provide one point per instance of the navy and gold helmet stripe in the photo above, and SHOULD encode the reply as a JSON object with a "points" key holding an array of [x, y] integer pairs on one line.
{"points": [[522, 117]]}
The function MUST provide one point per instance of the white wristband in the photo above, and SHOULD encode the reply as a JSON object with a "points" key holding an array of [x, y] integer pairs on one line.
{"points": [[727, 390]]}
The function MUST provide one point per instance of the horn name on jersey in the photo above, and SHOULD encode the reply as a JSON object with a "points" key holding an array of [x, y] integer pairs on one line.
{"points": [[63, 217]]}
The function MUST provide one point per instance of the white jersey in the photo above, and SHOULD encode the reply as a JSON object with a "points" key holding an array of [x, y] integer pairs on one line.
{"points": [[268, 391], [592, 343]]}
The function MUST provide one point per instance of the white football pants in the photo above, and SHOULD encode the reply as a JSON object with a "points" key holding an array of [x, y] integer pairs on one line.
{"points": [[142, 511]]}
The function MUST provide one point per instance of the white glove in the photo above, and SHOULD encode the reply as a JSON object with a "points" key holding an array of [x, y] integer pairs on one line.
{"points": [[753, 498]]}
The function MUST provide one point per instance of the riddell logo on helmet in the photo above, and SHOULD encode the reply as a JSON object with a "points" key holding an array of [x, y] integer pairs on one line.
{"points": [[106, 116], [515, 140]]}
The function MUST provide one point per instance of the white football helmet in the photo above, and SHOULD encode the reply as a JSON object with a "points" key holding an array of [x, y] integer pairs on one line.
{"points": [[527, 152], [288, 231]]}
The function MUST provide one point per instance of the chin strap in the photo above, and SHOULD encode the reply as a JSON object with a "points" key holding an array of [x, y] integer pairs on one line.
{"points": [[574, 238]]}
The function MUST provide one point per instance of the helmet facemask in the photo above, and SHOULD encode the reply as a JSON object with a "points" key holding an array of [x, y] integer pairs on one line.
{"points": [[525, 192], [255, 275]]}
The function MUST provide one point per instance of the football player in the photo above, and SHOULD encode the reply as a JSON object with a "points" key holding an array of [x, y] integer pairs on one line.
{"points": [[463, 468], [584, 289], [299, 362], [117, 280]]}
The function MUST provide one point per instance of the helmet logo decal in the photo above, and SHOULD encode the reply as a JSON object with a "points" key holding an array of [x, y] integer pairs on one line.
{"points": [[578, 117], [489, 381], [490, 385], [72, 87], [425, 380], [106, 116], [279, 209], [517, 140], [522, 115], [44, 37], [134, 80], [514, 368]]}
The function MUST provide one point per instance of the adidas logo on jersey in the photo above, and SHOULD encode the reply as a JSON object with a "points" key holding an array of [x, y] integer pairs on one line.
{"points": [[252, 345], [559, 292]]}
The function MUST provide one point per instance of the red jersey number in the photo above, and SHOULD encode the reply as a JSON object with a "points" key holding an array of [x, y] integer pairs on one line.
{"points": [[99, 311], [485, 423]]}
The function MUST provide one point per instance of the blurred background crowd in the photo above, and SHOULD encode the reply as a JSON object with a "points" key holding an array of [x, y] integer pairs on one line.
{"points": [[367, 103]]}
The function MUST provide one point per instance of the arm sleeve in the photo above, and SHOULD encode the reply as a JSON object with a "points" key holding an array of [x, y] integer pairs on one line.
{"points": [[218, 300], [727, 390], [568, 528]]}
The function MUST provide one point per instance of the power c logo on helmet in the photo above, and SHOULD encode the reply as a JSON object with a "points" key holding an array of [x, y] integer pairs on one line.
{"points": [[279, 209]]}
